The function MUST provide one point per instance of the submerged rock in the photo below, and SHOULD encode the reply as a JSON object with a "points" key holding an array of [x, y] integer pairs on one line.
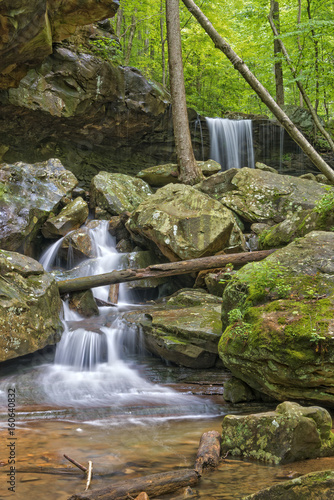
{"points": [[117, 193], [29, 306], [313, 486], [184, 223], [288, 434], [29, 193]]}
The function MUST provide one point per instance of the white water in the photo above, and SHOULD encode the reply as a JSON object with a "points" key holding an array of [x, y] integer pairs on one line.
{"points": [[231, 142], [92, 366]]}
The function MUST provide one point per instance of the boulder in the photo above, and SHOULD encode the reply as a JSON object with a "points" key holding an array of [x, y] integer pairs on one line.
{"points": [[29, 193], [84, 303], [30, 27], [161, 175], [237, 391], [313, 486], [278, 322], [70, 217], [259, 196], [29, 306], [184, 224], [288, 434], [185, 331], [117, 193]]}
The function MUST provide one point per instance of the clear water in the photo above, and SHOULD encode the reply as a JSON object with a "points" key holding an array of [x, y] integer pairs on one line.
{"points": [[231, 142]]}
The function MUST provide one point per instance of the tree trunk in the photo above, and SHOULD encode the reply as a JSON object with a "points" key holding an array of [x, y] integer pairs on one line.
{"points": [[161, 270], [189, 171], [131, 37], [154, 485], [162, 42], [208, 454], [274, 12], [300, 48], [317, 122], [261, 91]]}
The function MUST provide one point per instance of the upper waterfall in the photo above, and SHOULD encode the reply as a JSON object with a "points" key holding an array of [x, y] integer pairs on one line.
{"points": [[231, 142]]}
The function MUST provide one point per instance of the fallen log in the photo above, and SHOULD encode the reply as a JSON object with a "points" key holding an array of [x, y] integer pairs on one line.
{"points": [[208, 453], [161, 270], [153, 485]]}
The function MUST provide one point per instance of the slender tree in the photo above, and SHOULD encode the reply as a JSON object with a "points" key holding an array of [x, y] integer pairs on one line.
{"points": [[189, 171], [274, 13], [261, 91]]}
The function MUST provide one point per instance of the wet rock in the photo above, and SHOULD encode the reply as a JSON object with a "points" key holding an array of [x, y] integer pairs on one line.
{"points": [[161, 175], [30, 27], [185, 331], [84, 303], [290, 433], [278, 327], [80, 243], [29, 306], [70, 217], [313, 486], [29, 193], [237, 391], [218, 184], [265, 168], [140, 260], [117, 193], [117, 226], [184, 224], [260, 196]]}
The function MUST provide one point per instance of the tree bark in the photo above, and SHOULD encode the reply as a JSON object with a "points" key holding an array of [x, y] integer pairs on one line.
{"points": [[161, 270], [189, 171], [208, 454], [274, 12], [154, 485], [302, 91], [261, 91]]}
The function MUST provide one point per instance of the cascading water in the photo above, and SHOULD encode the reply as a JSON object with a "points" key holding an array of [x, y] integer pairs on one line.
{"points": [[231, 142]]}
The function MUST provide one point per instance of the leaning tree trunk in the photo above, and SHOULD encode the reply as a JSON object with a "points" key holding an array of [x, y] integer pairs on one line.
{"points": [[261, 91], [189, 171], [274, 12]]}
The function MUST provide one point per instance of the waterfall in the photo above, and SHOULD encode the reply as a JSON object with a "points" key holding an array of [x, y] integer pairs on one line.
{"points": [[231, 142]]}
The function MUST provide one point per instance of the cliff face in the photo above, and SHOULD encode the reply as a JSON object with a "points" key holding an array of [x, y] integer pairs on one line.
{"points": [[30, 27]]}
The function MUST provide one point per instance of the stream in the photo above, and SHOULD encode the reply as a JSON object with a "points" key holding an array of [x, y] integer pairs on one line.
{"points": [[99, 396]]}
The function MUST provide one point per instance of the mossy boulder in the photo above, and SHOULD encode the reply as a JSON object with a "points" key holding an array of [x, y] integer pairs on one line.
{"points": [[184, 223], [71, 217], [259, 195], [237, 391], [29, 306], [186, 330], [290, 433], [28, 194], [117, 193], [161, 175], [313, 486]]}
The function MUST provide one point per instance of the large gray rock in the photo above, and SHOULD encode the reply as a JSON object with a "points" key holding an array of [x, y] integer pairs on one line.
{"points": [[288, 434], [28, 194], [278, 328], [185, 331], [313, 486], [117, 193], [29, 306], [69, 218], [260, 195], [184, 223]]}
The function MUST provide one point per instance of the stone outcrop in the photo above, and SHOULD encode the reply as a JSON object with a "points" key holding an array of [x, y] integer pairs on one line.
{"points": [[30, 27], [278, 322], [258, 196], [313, 486], [184, 223], [29, 193], [288, 434], [117, 193], [185, 331], [29, 306]]}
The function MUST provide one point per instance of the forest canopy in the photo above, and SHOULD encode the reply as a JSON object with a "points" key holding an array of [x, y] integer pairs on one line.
{"points": [[213, 87]]}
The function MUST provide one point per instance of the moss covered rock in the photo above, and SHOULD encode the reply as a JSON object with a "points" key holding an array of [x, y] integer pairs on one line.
{"points": [[161, 175], [29, 306], [288, 434], [314, 486], [186, 330], [184, 224], [28, 194], [117, 193], [70, 217]]}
